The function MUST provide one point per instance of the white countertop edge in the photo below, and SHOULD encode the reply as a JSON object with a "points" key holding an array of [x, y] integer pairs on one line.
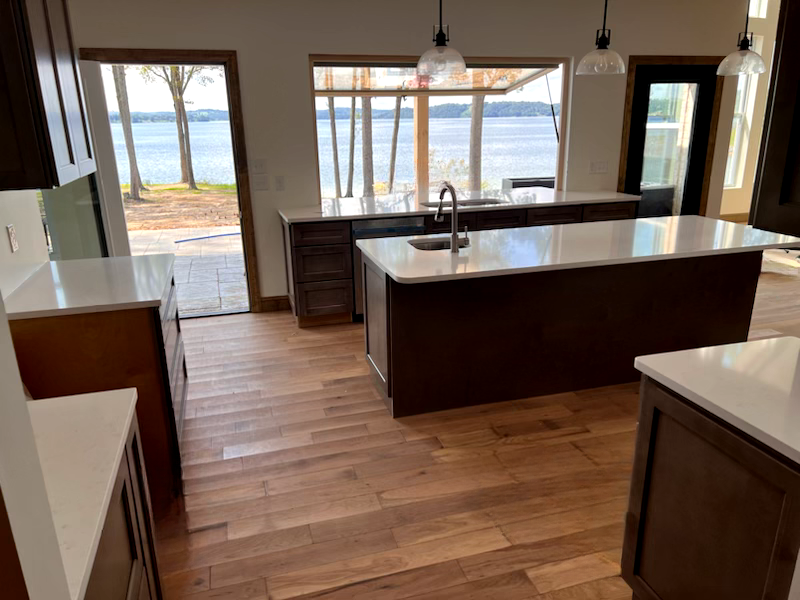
{"points": [[716, 410], [82, 310], [421, 212], [577, 265], [78, 592]]}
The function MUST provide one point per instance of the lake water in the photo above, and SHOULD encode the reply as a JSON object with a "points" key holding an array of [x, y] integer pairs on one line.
{"points": [[512, 147]]}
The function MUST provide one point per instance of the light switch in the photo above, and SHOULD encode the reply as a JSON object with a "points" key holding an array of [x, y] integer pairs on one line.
{"points": [[261, 183], [280, 183], [598, 167], [259, 166], [12, 238]]}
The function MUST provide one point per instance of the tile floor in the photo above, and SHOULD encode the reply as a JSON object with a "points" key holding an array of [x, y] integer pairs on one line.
{"points": [[209, 273]]}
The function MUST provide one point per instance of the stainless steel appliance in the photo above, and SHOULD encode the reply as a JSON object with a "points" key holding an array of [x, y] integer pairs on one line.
{"points": [[378, 228]]}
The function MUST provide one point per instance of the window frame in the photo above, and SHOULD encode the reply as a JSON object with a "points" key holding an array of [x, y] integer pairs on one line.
{"points": [[421, 151]]}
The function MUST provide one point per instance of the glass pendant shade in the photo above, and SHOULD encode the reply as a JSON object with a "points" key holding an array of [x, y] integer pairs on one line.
{"points": [[440, 62], [602, 61], [742, 62]]}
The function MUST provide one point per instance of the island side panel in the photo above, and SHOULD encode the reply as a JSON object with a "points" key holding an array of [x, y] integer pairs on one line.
{"points": [[377, 316], [707, 502], [473, 341]]}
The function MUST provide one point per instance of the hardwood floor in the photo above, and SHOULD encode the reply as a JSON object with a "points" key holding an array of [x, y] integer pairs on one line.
{"points": [[299, 485]]}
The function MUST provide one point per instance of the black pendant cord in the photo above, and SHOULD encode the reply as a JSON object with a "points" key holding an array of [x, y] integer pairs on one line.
{"points": [[552, 109], [441, 20], [746, 18], [605, 15], [441, 38]]}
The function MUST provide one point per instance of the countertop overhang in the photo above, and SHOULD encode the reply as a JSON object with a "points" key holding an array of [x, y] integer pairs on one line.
{"points": [[578, 245], [753, 386], [408, 204], [68, 287]]}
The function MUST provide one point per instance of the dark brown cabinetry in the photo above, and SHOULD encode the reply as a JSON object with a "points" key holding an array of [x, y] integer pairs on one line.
{"points": [[93, 352], [713, 513], [501, 219], [125, 565], [464, 220], [609, 212], [45, 139], [556, 215]]}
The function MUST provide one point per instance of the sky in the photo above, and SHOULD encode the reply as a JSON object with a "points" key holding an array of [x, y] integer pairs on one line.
{"points": [[154, 96]]}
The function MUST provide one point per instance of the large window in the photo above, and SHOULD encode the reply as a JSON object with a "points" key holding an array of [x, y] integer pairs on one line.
{"points": [[381, 129]]}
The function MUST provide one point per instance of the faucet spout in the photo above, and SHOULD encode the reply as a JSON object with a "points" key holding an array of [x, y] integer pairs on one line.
{"points": [[445, 187]]}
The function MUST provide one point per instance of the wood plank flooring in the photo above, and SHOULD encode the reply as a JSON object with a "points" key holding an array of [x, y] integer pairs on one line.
{"points": [[299, 485]]}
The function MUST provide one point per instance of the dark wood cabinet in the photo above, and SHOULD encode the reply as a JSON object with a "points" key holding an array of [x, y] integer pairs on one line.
{"points": [[555, 215], [45, 140], [325, 298], [125, 566], [612, 211], [323, 263], [713, 513], [93, 352], [321, 234], [501, 219]]}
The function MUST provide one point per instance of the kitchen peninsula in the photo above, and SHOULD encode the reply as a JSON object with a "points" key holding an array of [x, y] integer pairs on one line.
{"points": [[323, 263], [531, 311]]}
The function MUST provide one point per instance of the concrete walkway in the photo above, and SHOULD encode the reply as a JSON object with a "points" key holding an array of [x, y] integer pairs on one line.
{"points": [[209, 273]]}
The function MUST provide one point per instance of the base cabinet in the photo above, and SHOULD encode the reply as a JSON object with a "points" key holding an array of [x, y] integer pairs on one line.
{"points": [[712, 514], [125, 566]]}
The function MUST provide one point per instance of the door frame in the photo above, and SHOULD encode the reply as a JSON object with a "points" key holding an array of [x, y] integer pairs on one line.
{"points": [[228, 60], [635, 61]]}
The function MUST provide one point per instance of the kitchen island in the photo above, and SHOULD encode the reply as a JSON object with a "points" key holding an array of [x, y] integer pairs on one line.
{"points": [[714, 508], [540, 310]]}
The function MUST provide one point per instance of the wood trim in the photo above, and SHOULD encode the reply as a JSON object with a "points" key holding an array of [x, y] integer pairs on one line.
{"points": [[228, 60], [421, 146], [275, 303], [633, 62], [736, 217]]}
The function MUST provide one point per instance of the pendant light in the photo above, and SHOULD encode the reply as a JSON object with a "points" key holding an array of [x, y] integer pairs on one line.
{"points": [[441, 61], [602, 61], [744, 61]]}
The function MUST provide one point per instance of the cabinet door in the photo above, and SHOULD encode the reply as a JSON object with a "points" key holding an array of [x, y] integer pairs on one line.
{"points": [[712, 514], [554, 215], [119, 564], [464, 220], [500, 219], [323, 263], [320, 234], [609, 212], [324, 298]]}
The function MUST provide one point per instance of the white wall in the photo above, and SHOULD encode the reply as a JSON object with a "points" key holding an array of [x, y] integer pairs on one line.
{"points": [[273, 39], [22, 483], [20, 208]]}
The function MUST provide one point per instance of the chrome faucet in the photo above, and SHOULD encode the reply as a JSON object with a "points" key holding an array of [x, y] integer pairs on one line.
{"points": [[444, 187]]}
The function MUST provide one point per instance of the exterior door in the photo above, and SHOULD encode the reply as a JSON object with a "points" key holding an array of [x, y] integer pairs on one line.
{"points": [[670, 131], [776, 196]]}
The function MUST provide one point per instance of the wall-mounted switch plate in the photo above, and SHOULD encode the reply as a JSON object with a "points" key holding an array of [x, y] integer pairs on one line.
{"points": [[259, 166], [261, 183], [280, 183], [598, 167], [12, 238]]}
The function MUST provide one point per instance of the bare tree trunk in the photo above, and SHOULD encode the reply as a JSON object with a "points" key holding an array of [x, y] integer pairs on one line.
{"points": [[173, 88], [127, 130], [475, 151], [332, 115], [188, 150], [366, 146], [395, 131], [351, 165]]}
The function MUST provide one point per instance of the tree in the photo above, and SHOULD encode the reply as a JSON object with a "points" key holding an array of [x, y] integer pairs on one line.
{"points": [[121, 87], [332, 115], [177, 78], [395, 132], [366, 146], [475, 143], [351, 164]]}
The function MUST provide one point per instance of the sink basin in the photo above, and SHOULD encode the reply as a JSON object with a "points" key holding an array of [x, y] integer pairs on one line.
{"points": [[481, 202], [437, 244]]}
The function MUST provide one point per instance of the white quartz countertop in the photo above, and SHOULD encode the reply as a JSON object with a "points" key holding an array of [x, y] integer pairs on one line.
{"points": [[577, 245], [80, 440], [408, 204], [753, 386], [67, 287]]}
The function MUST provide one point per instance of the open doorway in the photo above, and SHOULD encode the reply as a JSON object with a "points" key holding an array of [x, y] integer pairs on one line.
{"points": [[176, 128]]}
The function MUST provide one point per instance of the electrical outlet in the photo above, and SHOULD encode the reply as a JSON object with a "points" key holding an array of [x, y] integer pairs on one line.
{"points": [[261, 183], [259, 166], [598, 167], [12, 238], [280, 183]]}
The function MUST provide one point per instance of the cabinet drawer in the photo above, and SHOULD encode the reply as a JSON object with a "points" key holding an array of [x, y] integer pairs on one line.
{"points": [[320, 234], [554, 215], [500, 219], [609, 212], [466, 219], [322, 263], [324, 298]]}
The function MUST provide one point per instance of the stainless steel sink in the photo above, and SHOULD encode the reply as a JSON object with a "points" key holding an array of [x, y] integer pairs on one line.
{"points": [[437, 244], [464, 203]]}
